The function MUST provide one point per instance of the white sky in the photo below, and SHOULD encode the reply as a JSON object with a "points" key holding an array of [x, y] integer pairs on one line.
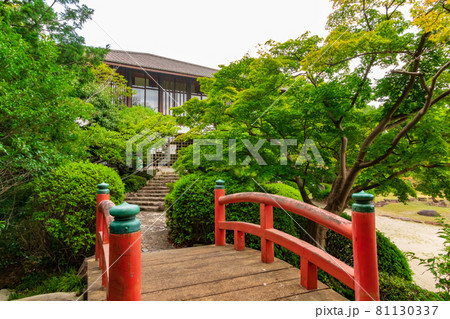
{"points": [[204, 32]]}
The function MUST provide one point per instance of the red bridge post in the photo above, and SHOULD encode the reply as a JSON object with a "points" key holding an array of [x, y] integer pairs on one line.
{"points": [[219, 214], [267, 248], [102, 194], [124, 254], [365, 248]]}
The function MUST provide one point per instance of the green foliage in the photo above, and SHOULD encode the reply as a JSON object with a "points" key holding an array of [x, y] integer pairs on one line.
{"points": [[34, 18], [439, 265], [43, 283], [64, 202], [38, 129], [134, 183], [104, 91], [16, 229], [370, 131], [393, 288], [109, 145]]}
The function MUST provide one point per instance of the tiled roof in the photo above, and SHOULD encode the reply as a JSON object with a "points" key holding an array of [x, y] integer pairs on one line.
{"points": [[157, 63]]}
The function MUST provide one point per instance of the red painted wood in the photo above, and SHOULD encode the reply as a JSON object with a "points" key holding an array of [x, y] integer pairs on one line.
{"points": [[327, 219], [308, 274], [102, 236], [365, 257], [267, 248], [103, 261], [322, 259], [219, 217], [239, 240], [125, 272], [99, 222]]}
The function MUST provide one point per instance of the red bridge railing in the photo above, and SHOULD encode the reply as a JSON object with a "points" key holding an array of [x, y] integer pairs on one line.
{"points": [[118, 247], [363, 278]]}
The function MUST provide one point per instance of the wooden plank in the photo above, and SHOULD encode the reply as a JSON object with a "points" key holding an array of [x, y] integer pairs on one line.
{"points": [[154, 279], [214, 273], [222, 286], [226, 259], [273, 291], [316, 295], [94, 281], [188, 254]]}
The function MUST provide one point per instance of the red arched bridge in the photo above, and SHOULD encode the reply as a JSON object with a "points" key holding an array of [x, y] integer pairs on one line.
{"points": [[224, 272]]}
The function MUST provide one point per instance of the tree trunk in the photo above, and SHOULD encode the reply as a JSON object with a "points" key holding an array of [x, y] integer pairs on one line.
{"points": [[336, 204], [317, 234]]}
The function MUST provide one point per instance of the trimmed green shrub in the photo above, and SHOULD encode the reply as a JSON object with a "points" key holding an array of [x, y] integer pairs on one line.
{"points": [[64, 202], [393, 288], [134, 183]]}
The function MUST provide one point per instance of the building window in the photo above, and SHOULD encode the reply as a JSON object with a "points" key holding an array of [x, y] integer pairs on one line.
{"points": [[146, 90], [195, 91], [174, 92]]}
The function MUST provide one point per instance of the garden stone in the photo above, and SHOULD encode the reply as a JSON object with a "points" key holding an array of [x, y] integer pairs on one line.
{"points": [[428, 212], [4, 294]]}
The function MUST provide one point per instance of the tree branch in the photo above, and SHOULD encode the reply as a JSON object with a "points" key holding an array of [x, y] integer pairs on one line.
{"points": [[365, 16], [440, 97], [392, 176], [407, 72], [388, 117], [369, 53], [438, 74], [366, 74]]}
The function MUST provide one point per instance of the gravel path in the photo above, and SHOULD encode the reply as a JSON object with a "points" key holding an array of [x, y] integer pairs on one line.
{"points": [[154, 232], [421, 239]]}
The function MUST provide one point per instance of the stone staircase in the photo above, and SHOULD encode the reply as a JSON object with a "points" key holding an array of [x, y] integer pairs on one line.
{"points": [[151, 201]]}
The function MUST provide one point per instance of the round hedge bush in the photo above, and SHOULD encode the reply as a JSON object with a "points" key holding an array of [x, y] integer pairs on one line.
{"points": [[64, 202]]}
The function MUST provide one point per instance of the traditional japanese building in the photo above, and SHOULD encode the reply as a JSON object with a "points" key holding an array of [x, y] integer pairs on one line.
{"points": [[159, 83]]}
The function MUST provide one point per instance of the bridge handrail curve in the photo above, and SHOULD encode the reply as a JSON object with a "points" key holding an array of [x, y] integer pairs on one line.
{"points": [[363, 278], [316, 214]]}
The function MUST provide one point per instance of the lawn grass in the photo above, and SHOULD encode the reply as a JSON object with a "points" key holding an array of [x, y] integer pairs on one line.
{"points": [[410, 210]]}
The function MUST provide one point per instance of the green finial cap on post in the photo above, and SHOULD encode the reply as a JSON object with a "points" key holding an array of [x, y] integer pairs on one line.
{"points": [[363, 202], [125, 221], [102, 188], [220, 184]]}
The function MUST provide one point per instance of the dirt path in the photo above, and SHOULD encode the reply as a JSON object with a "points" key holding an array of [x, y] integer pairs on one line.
{"points": [[421, 239]]}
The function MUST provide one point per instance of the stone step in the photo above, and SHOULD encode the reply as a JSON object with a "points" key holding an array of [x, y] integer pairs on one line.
{"points": [[145, 202], [163, 187], [153, 194], [156, 183], [147, 199], [159, 183], [148, 196], [150, 209]]}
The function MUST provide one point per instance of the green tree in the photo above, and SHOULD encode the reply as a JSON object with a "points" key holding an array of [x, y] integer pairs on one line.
{"points": [[37, 127], [42, 62], [372, 95]]}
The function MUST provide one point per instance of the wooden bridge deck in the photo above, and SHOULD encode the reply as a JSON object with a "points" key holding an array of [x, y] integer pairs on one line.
{"points": [[215, 273]]}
